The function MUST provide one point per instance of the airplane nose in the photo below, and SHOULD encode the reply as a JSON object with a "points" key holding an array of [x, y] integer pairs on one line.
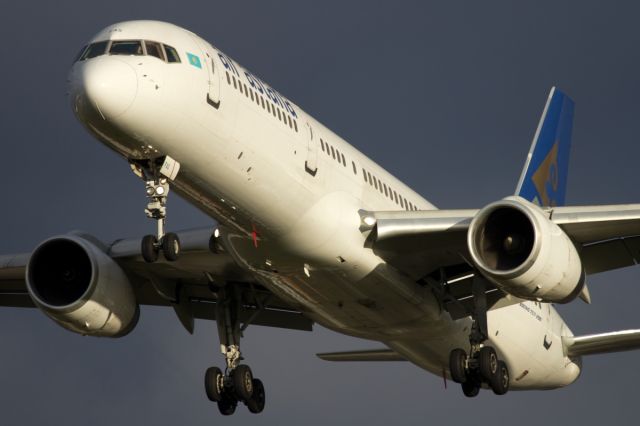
{"points": [[110, 85]]}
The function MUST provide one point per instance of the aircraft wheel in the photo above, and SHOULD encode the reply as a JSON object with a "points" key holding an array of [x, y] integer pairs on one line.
{"points": [[243, 382], [257, 400], [488, 363], [471, 388], [500, 383], [214, 383], [457, 359], [149, 248], [227, 405], [170, 246]]}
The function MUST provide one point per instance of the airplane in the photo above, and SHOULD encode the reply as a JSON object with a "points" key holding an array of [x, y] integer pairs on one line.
{"points": [[309, 230]]}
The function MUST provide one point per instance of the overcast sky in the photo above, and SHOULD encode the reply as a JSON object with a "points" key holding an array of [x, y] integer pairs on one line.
{"points": [[445, 95]]}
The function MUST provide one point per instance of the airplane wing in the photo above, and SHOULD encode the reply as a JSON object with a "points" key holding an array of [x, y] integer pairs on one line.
{"points": [[431, 246], [185, 285]]}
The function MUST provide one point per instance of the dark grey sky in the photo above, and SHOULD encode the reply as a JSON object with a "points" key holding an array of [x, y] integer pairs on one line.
{"points": [[446, 95]]}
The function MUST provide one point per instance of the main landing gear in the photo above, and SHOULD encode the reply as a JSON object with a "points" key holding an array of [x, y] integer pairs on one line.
{"points": [[236, 384], [482, 364], [156, 174]]}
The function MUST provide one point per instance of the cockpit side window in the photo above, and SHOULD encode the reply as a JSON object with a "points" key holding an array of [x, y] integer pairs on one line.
{"points": [[94, 49], [172, 54], [128, 47], [79, 55], [154, 49]]}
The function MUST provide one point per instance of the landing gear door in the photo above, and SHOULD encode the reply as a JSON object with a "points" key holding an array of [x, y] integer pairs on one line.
{"points": [[311, 163]]}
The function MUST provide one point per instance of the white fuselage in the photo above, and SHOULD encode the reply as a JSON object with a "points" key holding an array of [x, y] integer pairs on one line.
{"points": [[287, 191]]}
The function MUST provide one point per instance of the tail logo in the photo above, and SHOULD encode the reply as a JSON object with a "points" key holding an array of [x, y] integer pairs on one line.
{"points": [[546, 178]]}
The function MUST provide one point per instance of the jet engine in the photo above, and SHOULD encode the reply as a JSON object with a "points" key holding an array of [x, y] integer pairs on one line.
{"points": [[515, 245], [75, 283]]}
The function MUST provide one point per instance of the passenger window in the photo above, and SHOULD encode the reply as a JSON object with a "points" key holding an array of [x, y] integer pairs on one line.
{"points": [[129, 47], [234, 82], [395, 195], [172, 54], [355, 171], [375, 182], [279, 117], [228, 79], [240, 86], [333, 153], [153, 49], [344, 162], [384, 185], [364, 175], [289, 120], [95, 49], [322, 144], [273, 110], [262, 102], [251, 93], [246, 91], [295, 124]]}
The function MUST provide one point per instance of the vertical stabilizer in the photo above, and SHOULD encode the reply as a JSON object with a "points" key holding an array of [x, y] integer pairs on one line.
{"points": [[544, 178]]}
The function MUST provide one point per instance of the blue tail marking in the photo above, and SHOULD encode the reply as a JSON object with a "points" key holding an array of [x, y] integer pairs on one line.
{"points": [[544, 178]]}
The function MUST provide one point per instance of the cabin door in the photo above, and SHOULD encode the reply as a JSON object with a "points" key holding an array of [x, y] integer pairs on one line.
{"points": [[311, 163]]}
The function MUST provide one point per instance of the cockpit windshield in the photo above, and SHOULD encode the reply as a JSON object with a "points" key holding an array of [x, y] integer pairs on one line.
{"points": [[129, 47], [161, 51]]}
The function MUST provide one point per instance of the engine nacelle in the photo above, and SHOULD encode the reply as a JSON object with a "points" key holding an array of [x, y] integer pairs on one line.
{"points": [[516, 246], [75, 283]]}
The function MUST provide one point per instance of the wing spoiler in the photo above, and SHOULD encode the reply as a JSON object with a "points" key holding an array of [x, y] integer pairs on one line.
{"points": [[616, 341]]}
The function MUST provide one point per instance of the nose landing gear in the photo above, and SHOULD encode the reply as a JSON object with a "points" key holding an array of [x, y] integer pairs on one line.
{"points": [[482, 364], [156, 173]]}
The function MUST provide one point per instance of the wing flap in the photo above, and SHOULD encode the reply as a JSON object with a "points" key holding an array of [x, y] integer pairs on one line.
{"points": [[365, 355], [592, 344]]}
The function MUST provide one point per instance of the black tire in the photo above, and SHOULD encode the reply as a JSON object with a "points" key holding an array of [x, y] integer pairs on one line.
{"points": [[227, 405], [471, 388], [257, 400], [214, 383], [243, 382], [488, 363], [500, 383], [457, 359], [149, 249], [171, 246]]}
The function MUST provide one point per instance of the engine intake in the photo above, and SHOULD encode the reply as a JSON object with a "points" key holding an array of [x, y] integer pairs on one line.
{"points": [[74, 282], [515, 245]]}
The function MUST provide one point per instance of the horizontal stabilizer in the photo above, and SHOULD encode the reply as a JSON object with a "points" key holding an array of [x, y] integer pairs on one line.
{"points": [[592, 344], [367, 355]]}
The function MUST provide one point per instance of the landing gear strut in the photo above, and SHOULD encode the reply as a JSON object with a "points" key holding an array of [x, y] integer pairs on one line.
{"points": [[482, 364], [156, 174], [237, 383]]}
